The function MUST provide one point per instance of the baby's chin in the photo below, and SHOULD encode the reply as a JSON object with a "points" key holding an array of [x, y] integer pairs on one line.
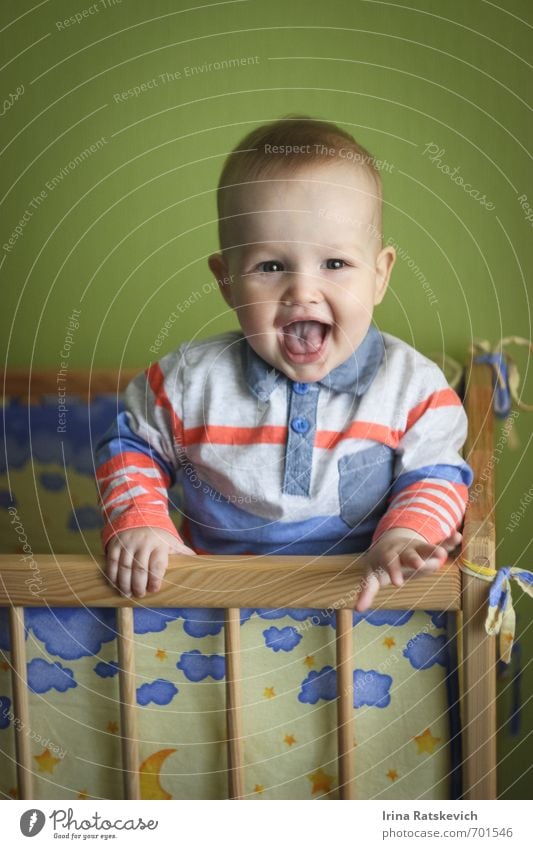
{"points": [[308, 373]]}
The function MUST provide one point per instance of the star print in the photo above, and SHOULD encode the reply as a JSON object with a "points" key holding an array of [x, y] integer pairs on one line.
{"points": [[269, 692], [4, 665], [508, 637], [426, 742], [46, 761], [389, 642], [321, 781], [309, 661], [289, 739], [161, 654], [112, 727], [258, 788], [14, 793], [83, 794], [392, 774]]}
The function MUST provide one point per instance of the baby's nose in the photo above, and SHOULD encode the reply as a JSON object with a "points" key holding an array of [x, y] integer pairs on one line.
{"points": [[302, 288]]}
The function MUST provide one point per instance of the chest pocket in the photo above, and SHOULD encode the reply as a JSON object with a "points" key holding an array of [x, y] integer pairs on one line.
{"points": [[365, 479]]}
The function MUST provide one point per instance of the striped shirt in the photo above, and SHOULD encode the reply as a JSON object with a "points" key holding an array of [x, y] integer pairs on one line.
{"points": [[271, 466]]}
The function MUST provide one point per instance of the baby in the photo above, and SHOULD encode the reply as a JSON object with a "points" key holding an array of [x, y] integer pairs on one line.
{"points": [[308, 431]]}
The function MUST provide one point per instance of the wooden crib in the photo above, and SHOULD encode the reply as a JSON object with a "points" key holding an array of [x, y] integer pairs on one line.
{"points": [[326, 582]]}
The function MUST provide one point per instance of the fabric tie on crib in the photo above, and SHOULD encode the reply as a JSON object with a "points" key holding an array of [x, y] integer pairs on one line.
{"points": [[506, 374], [501, 617]]}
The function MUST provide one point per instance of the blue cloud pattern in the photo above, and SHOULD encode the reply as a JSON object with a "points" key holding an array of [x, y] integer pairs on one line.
{"points": [[86, 425], [5, 710], [71, 633], [44, 676], [52, 481], [4, 629], [107, 670], [438, 617], [384, 617], [371, 688], [319, 685], [318, 617], [160, 692], [423, 651], [86, 517], [197, 666], [281, 639], [6, 500], [154, 619]]}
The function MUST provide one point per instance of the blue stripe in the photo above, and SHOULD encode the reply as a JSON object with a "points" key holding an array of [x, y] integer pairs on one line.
{"points": [[220, 525], [120, 437], [454, 474]]}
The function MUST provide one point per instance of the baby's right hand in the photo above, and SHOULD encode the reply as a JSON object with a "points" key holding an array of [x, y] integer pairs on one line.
{"points": [[137, 559]]}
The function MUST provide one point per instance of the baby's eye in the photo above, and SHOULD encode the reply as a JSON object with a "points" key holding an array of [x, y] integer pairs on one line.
{"points": [[271, 265], [335, 263]]}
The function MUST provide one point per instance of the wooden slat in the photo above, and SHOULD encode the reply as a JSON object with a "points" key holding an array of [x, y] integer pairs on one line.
{"points": [[224, 581], [21, 708], [234, 724], [345, 703], [32, 385], [479, 546], [128, 703]]}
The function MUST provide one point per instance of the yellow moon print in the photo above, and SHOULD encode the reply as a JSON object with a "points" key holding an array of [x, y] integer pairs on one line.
{"points": [[149, 774]]}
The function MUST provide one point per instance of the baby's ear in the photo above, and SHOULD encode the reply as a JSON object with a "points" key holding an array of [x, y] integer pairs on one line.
{"points": [[384, 264], [219, 268]]}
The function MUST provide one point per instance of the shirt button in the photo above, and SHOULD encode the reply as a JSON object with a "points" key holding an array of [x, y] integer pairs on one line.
{"points": [[301, 388], [300, 425]]}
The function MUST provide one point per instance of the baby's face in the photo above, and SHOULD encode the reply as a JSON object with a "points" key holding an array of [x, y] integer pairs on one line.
{"points": [[305, 269]]}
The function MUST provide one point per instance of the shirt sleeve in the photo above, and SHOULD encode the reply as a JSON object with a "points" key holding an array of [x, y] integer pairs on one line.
{"points": [[431, 479], [136, 459]]}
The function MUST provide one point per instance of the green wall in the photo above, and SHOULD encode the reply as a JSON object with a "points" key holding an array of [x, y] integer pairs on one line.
{"points": [[122, 233]]}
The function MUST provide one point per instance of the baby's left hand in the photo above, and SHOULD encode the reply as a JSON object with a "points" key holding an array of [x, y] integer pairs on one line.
{"points": [[397, 549]]}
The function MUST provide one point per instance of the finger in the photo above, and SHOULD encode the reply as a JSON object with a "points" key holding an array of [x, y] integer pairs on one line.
{"points": [[370, 586], [181, 549], [452, 541], [111, 565], [431, 555], [124, 571], [411, 559], [156, 569], [394, 568], [139, 572], [438, 556]]}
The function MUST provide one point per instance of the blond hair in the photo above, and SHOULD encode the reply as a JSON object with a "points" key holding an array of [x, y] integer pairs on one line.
{"points": [[281, 148]]}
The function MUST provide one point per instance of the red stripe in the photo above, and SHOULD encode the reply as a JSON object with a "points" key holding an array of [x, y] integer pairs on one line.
{"points": [[448, 517], [141, 502], [277, 434], [118, 490], [427, 526], [156, 379], [459, 494], [129, 458], [139, 519], [359, 430], [127, 486], [441, 398], [227, 435]]}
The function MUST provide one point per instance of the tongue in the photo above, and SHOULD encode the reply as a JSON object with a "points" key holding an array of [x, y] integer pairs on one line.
{"points": [[304, 337]]}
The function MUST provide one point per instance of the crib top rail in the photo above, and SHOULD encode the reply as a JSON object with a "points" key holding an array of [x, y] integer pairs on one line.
{"points": [[328, 583]]}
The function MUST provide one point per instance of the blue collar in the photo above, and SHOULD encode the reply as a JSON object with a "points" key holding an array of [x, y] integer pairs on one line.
{"points": [[353, 375]]}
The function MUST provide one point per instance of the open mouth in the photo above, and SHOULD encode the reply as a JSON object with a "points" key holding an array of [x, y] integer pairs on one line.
{"points": [[304, 341]]}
